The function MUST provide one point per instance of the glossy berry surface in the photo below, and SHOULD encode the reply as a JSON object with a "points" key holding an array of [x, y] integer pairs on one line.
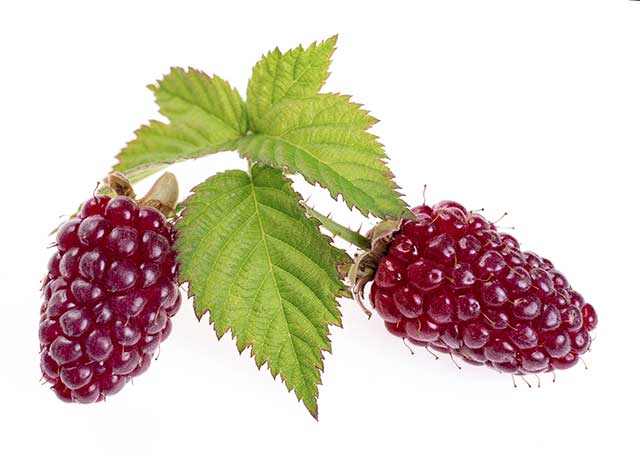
{"points": [[449, 281], [109, 295]]}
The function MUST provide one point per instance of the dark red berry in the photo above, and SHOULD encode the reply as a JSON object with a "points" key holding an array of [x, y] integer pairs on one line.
{"points": [[422, 329], [541, 282], [467, 307], [451, 220], [409, 302], [109, 292], [499, 351], [580, 341], [94, 206], [493, 294], [60, 300], [566, 361], [397, 329], [121, 211], [442, 248], [550, 318], [389, 273], [468, 248], [526, 308], [425, 275], [589, 317], [490, 264], [122, 242], [572, 317], [440, 307], [404, 249], [509, 242], [93, 230], [383, 302], [517, 281], [462, 276], [449, 281], [67, 235], [151, 219], [475, 335], [498, 319], [536, 360], [450, 335], [523, 336], [557, 344], [442, 205], [93, 265]]}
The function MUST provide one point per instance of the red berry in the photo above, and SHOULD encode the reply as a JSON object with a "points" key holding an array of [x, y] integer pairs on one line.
{"points": [[424, 274], [94, 206], [523, 336], [109, 292], [422, 329], [580, 341], [517, 281], [468, 248], [499, 351], [451, 282], [388, 273], [536, 360], [121, 211], [475, 335], [566, 361], [442, 248], [67, 235], [589, 317], [557, 343], [493, 294], [408, 302], [526, 308], [440, 307], [397, 329], [404, 249], [451, 220], [462, 276], [490, 265], [383, 302], [467, 307]]}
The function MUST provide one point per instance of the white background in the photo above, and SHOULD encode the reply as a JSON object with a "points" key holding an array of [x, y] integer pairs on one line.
{"points": [[528, 107]]}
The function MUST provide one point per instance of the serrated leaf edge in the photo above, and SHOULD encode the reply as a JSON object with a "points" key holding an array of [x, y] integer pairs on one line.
{"points": [[220, 333]]}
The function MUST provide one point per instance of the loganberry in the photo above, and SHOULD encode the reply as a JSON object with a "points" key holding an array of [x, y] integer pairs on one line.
{"points": [[109, 294], [449, 281]]}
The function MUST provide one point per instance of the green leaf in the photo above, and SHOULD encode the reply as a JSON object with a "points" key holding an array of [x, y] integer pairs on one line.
{"points": [[325, 138], [206, 116], [158, 145], [298, 73], [191, 97], [261, 268]]}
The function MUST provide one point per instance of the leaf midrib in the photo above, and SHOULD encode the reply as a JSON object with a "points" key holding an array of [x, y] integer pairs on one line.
{"points": [[275, 283]]}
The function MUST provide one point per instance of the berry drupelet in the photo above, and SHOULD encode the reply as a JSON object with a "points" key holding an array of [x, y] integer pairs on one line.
{"points": [[109, 295], [449, 281]]}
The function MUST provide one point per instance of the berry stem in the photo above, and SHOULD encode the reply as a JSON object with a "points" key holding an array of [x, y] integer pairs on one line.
{"points": [[345, 233]]}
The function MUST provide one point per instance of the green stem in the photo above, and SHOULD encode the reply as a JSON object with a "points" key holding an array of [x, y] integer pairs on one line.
{"points": [[345, 233]]}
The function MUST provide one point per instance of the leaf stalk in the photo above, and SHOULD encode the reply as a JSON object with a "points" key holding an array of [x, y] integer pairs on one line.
{"points": [[335, 228]]}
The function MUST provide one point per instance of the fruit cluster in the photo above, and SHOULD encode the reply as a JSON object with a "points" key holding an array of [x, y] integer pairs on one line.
{"points": [[451, 282], [109, 294]]}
